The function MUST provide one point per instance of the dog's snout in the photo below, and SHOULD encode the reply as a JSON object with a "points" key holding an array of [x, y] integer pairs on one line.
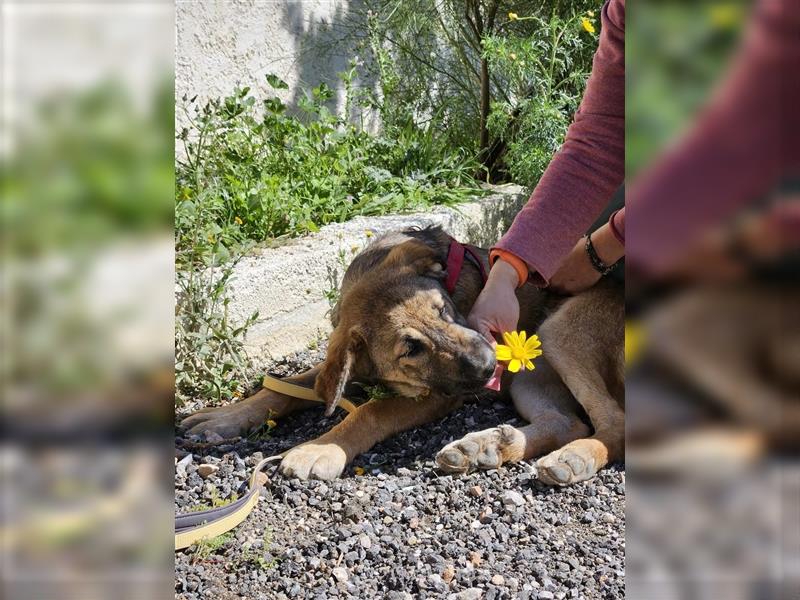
{"points": [[479, 362]]}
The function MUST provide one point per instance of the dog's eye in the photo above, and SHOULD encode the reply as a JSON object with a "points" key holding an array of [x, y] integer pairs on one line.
{"points": [[444, 314], [413, 347]]}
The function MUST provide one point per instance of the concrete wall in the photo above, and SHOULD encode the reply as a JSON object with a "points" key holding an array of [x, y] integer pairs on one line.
{"points": [[220, 45], [288, 285]]}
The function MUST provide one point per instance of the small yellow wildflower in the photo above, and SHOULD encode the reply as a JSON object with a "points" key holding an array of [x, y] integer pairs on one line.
{"points": [[518, 350], [369, 233], [359, 471], [237, 220], [512, 16], [587, 25], [512, 56], [271, 424], [354, 249]]}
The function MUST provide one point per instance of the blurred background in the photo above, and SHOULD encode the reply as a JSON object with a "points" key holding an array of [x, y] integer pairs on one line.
{"points": [[713, 339], [87, 297], [713, 334]]}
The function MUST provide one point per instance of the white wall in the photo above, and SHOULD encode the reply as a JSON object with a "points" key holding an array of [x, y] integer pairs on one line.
{"points": [[220, 45]]}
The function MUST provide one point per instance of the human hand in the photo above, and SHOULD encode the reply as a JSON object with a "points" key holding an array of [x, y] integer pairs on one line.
{"points": [[576, 273], [497, 307]]}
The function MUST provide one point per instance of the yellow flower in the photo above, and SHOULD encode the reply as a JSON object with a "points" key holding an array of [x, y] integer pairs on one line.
{"points": [[512, 56], [369, 233], [237, 220], [359, 470], [271, 424], [513, 16], [518, 351], [587, 25]]}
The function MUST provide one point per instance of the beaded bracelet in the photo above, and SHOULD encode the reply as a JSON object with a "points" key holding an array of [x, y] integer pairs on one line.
{"points": [[598, 264]]}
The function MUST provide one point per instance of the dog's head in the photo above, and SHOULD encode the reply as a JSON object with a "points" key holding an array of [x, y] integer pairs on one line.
{"points": [[397, 325]]}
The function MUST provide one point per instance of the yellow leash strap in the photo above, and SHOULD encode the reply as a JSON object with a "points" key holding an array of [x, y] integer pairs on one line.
{"points": [[206, 524], [298, 391]]}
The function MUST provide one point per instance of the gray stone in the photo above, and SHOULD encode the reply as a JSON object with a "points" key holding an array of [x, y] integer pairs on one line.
{"points": [[205, 470], [513, 499]]}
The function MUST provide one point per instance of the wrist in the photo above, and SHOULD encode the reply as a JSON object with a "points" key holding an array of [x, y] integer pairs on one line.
{"points": [[607, 246], [504, 273]]}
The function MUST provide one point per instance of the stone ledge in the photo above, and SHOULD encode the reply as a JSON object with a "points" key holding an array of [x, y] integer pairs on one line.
{"points": [[288, 285]]}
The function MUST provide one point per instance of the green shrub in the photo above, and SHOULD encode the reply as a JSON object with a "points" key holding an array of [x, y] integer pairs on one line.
{"points": [[543, 70], [429, 57], [263, 173]]}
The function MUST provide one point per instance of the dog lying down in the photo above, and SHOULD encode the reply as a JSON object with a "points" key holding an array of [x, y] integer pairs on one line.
{"points": [[396, 325]]}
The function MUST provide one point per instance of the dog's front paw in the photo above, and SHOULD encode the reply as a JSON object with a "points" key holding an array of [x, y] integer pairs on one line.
{"points": [[314, 461], [577, 461], [487, 449]]}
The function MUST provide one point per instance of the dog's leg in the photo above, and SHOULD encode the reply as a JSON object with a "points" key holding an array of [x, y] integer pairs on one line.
{"points": [[583, 343], [581, 459], [328, 455], [543, 400], [240, 417]]}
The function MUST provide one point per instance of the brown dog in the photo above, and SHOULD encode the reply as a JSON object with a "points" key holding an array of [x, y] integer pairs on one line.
{"points": [[395, 324]]}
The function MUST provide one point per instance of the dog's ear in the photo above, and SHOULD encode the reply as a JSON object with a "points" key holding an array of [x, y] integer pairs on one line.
{"points": [[343, 347], [416, 256]]}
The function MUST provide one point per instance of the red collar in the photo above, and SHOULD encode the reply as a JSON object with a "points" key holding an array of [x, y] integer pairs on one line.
{"points": [[455, 260]]}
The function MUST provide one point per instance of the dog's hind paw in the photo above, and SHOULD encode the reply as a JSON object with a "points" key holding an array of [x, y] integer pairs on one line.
{"points": [[487, 449], [577, 461], [314, 461]]}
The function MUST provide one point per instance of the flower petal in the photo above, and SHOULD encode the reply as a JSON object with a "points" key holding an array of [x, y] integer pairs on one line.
{"points": [[514, 365], [532, 343], [529, 365], [508, 339], [502, 352]]}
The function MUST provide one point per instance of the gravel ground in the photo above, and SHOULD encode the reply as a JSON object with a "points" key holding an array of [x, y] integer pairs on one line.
{"points": [[401, 530]]}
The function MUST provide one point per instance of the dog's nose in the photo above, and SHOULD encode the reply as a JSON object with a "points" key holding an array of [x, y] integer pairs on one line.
{"points": [[480, 363]]}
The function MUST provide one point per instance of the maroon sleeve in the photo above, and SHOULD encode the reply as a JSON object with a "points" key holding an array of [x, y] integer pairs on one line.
{"points": [[588, 168], [742, 144]]}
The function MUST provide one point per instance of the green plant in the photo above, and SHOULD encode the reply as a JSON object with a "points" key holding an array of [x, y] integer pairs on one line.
{"points": [[544, 77], [263, 431], [262, 561], [208, 546], [216, 502], [263, 173], [429, 60], [210, 358], [376, 392]]}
